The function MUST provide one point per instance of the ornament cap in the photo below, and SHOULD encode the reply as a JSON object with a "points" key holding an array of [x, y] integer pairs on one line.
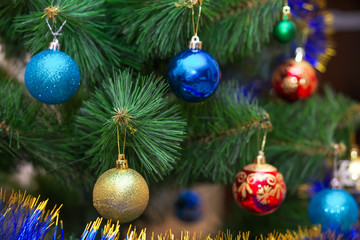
{"points": [[54, 45], [354, 153], [299, 54], [260, 164], [260, 159], [286, 12], [335, 184], [121, 162], [195, 43]]}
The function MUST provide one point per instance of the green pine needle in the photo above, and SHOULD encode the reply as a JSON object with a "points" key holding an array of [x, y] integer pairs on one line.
{"points": [[227, 28], [84, 36], [222, 136], [29, 132], [304, 132], [154, 128]]}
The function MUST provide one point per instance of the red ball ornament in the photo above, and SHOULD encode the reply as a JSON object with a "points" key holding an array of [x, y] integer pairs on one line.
{"points": [[294, 80], [259, 188]]}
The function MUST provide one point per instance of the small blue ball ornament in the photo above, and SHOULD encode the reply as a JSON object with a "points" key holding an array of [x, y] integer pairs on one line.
{"points": [[52, 76], [193, 74], [188, 206], [334, 209]]}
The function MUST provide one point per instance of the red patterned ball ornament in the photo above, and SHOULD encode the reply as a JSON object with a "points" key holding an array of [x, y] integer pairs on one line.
{"points": [[294, 80], [259, 188]]}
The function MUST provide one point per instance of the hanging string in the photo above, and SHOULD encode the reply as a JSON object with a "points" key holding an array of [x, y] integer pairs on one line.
{"points": [[118, 142], [263, 142], [118, 139], [335, 183], [258, 138], [124, 142], [57, 33], [195, 28]]}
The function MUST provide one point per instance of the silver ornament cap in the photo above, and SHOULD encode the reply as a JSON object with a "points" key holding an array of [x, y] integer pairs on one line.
{"points": [[54, 45], [195, 43]]}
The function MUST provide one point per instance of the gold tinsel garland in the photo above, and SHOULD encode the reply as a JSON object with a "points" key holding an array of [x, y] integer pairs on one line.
{"points": [[311, 233], [19, 206]]}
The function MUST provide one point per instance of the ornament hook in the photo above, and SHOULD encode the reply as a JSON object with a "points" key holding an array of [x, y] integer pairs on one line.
{"points": [[54, 45], [195, 42], [195, 29], [121, 162], [260, 159], [335, 183]]}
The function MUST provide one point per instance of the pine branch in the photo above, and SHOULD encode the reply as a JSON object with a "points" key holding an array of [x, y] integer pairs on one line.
{"points": [[222, 136], [228, 28], [246, 28], [29, 132], [84, 36], [154, 128], [9, 9], [304, 133]]}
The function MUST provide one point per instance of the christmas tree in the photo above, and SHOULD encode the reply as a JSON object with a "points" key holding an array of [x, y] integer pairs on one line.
{"points": [[121, 88]]}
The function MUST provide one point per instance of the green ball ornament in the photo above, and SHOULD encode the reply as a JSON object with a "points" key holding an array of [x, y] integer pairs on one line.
{"points": [[284, 31]]}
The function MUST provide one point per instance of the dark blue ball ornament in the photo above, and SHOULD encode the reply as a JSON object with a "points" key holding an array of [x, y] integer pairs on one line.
{"points": [[193, 74], [188, 206], [52, 77], [334, 209]]}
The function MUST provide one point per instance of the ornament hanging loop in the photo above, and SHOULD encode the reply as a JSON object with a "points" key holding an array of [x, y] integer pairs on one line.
{"points": [[286, 11], [121, 162], [195, 28], [195, 42], [335, 183], [54, 45], [263, 142], [260, 159]]}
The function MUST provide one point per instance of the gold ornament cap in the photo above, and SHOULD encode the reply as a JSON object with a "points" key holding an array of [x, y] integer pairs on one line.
{"points": [[195, 43], [260, 164], [121, 162]]}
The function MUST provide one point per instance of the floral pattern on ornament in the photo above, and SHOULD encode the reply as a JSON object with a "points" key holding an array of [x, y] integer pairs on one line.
{"points": [[275, 186]]}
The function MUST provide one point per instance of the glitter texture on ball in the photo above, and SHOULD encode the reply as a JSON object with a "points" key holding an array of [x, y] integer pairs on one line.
{"points": [[52, 77], [121, 195]]}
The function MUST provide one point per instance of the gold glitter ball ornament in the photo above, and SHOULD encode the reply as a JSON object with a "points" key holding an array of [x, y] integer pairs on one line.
{"points": [[121, 193]]}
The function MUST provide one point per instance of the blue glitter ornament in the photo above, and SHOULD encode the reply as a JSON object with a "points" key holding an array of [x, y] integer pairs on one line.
{"points": [[193, 74], [52, 76], [334, 209]]}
